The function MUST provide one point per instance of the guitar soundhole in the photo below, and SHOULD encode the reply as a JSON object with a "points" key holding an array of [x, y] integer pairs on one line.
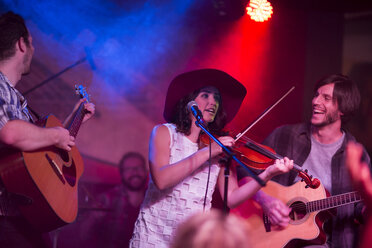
{"points": [[69, 173], [298, 211], [64, 155]]}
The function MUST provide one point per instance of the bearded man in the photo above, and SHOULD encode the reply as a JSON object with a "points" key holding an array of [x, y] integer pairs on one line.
{"points": [[319, 146]]}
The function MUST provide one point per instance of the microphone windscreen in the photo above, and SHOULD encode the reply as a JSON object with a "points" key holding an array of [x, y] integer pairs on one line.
{"points": [[190, 104]]}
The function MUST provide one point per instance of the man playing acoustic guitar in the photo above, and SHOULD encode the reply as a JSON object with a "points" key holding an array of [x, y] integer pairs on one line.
{"points": [[319, 146], [16, 126]]}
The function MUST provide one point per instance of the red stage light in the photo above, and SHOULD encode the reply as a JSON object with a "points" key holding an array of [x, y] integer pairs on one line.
{"points": [[259, 10]]}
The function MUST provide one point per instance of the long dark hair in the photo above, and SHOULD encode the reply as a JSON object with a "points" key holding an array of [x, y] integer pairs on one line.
{"points": [[345, 92], [182, 118]]}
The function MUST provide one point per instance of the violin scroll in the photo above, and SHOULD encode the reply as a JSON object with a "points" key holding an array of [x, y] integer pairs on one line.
{"points": [[309, 180]]}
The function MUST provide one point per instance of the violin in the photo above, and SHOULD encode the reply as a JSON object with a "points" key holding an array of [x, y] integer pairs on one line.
{"points": [[258, 156]]}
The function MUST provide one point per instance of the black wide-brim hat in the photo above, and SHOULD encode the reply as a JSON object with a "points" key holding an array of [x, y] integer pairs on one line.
{"points": [[231, 90]]}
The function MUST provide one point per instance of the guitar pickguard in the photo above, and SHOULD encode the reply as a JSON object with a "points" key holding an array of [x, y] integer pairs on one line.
{"points": [[63, 166]]}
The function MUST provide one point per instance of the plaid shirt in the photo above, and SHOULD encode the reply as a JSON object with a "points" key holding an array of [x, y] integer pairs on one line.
{"points": [[293, 141], [13, 106]]}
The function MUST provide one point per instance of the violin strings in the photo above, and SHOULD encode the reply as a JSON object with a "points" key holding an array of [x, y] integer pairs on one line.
{"points": [[272, 155]]}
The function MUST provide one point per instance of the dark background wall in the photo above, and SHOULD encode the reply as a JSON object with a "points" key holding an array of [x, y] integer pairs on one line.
{"points": [[135, 48]]}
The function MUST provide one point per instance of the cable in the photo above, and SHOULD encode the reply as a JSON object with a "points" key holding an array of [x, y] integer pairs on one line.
{"points": [[209, 173]]}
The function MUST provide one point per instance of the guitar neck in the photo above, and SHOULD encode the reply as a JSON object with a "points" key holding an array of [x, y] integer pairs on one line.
{"points": [[76, 121], [333, 201]]}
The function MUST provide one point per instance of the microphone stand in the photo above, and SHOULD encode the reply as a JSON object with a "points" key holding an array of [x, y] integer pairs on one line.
{"points": [[88, 58], [55, 76], [227, 162]]}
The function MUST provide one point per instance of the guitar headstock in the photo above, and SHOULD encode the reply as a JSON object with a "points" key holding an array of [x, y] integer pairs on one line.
{"points": [[81, 91]]}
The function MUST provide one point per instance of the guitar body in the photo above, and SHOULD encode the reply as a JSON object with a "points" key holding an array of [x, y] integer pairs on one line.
{"points": [[304, 228], [45, 182]]}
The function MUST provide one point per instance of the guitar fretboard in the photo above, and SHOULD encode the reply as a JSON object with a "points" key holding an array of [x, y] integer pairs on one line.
{"points": [[77, 120], [333, 201]]}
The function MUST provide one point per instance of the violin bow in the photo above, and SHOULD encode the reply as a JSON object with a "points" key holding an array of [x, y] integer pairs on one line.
{"points": [[263, 114]]}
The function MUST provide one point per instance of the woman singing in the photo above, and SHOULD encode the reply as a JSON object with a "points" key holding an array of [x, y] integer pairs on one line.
{"points": [[182, 179]]}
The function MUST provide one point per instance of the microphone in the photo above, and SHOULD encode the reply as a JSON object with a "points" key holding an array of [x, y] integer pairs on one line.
{"points": [[192, 106]]}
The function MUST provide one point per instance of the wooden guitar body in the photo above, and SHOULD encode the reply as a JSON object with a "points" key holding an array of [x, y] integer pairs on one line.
{"points": [[304, 228], [45, 182]]}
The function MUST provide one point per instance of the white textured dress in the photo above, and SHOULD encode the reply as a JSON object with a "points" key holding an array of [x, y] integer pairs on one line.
{"points": [[163, 210]]}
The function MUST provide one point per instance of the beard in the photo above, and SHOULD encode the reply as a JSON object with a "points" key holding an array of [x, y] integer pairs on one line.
{"points": [[330, 118], [135, 183]]}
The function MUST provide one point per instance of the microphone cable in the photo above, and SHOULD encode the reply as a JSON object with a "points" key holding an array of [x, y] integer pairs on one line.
{"points": [[209, 173]]}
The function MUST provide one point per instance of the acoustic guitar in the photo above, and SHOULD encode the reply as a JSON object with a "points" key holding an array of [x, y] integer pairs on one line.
{"points": [[307, 216], [44, 182]]}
